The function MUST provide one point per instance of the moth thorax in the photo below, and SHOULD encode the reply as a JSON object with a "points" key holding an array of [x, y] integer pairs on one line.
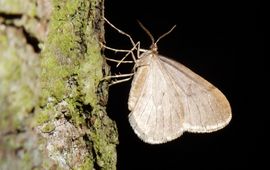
{"points": [[154, 48]]}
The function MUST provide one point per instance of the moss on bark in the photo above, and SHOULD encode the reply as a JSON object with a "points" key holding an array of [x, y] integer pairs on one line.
{"points": [[51, 89]]}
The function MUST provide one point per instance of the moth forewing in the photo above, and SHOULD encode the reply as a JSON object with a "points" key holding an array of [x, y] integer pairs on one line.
{"points": [[156, 113], [206, 109], [139, 79]]}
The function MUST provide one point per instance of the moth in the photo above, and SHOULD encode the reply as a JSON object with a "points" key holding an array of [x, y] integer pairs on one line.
{"points": [[167, 99]]}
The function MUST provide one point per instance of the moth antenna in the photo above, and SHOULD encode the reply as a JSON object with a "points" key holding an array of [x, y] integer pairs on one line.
{"points": [[168, 32], [147, 32], [154, 43]]}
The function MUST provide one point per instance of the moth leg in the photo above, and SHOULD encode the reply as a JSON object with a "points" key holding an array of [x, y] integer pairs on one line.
{"points": [[132, 54], [119, 81], [114, 49], [120, 31], [119, 76], [118, 61], [130, 38], [128, 52]]}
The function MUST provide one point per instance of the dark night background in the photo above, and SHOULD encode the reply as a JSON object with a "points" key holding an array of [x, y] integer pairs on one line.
{"points": [[223, 41]]}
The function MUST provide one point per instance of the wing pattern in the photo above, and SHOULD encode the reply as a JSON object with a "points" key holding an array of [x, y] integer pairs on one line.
{"points": [[206, 109], [166, 99], [156, 116]]}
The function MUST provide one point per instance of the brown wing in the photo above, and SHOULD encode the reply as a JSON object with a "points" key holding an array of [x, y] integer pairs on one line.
{"points": [[206, 109], [156, 109]]}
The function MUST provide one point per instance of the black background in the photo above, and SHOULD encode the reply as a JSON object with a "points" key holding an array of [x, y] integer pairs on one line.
{"points": [[223, 41]]}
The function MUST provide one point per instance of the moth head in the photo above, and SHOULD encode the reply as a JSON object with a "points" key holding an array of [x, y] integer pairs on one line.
{"points": [[154, 47]]}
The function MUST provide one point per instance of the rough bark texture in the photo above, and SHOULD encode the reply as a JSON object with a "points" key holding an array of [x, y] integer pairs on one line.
{"points": [[52, 97]]}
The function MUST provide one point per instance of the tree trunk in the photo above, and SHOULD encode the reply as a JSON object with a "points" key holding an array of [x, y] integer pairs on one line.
{"points": [[52, 97]]}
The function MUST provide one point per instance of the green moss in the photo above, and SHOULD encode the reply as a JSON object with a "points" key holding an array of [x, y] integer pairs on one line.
{"points": [[71, 72], [18, 7], [11, 143], [91, 74], [53, 75], [3, 40], [26, 159], [71, 50], [88, 164], [42, 117], [105, 138], [75, 113], [18, 86], [48, 127]]}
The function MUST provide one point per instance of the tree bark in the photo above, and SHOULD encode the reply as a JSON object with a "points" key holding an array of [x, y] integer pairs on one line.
{"points": [[52, 97]]}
